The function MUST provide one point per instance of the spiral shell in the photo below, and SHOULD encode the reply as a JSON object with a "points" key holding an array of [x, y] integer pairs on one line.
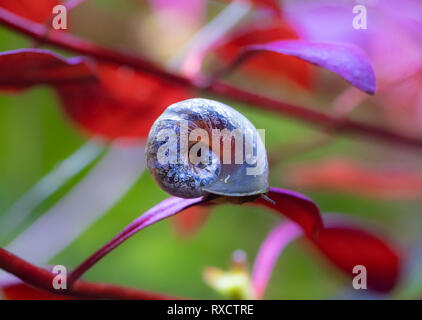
{"points": [[173, 159]]}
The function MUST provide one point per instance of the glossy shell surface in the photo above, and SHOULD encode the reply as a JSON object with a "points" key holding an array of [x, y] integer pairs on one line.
{"points": [[188, 179]]}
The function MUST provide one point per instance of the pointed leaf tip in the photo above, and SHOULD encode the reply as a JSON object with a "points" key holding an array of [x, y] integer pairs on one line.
{"points": [[347, 60], [296, 207]]}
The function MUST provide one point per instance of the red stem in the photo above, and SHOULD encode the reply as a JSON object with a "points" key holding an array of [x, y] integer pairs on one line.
{"points": [[326, 121], [43, 279]]}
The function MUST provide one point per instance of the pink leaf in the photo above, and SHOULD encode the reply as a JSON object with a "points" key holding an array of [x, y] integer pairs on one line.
{"points": [[270, 250]]}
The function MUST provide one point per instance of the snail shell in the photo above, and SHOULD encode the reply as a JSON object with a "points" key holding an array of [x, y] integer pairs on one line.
{"points": [[180, 173]]}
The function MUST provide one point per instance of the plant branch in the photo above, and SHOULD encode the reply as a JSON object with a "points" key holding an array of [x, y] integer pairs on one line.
{"points": [[43, 279], [163, 210], [329, 122]]}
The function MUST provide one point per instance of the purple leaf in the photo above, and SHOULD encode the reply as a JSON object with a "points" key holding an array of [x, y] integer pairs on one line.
{"points": [[163, 210], [23, 68], [347, 60], [293, 205]]}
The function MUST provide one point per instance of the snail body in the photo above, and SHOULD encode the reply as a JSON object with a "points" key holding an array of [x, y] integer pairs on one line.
{"points": [[201, 147]]}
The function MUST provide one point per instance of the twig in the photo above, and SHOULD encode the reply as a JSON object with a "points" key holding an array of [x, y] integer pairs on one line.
{"points": [[164, 209], [326, 121], [43, 279]]}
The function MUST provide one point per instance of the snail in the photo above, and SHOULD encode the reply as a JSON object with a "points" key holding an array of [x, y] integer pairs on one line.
{"points": [[201, 147]]}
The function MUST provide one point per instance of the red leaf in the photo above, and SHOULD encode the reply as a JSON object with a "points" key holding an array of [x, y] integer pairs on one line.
{"points": [[339, 175], [296, 207], [347, 247], [269, 64], [271, 4], [346, 60], [35, 10], [105, 99], [22, 291], [125, 103], [191, 220], [20, 69]]}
